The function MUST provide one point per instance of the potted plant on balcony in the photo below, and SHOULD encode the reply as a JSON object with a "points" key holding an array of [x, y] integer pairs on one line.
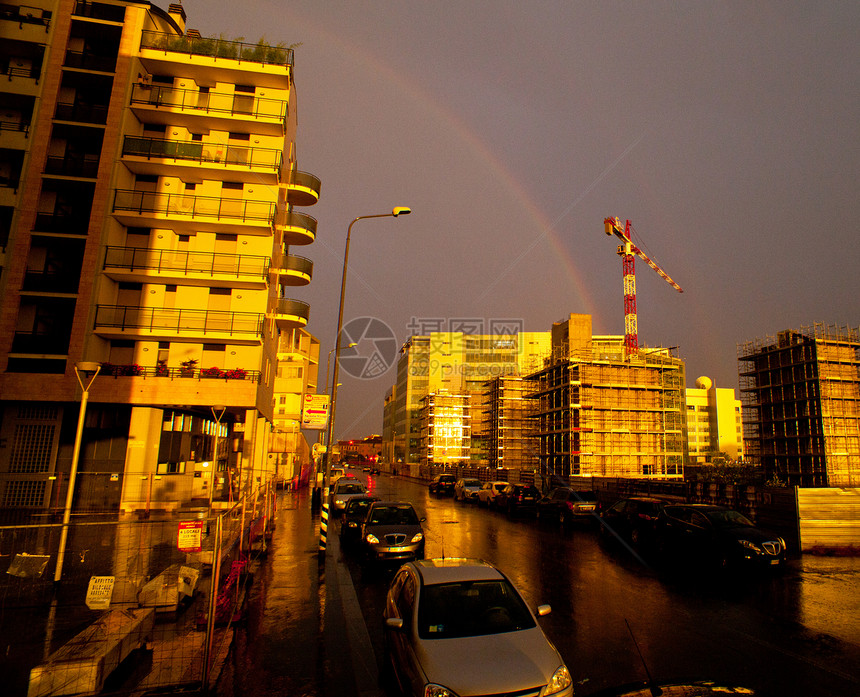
{"points": [[236, 374], [188, 367], [161, 369], [213, 372]]}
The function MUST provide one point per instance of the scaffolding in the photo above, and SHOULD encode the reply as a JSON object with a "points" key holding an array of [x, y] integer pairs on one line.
{"points": [[508, 423], [600, 413], [801, 401]]}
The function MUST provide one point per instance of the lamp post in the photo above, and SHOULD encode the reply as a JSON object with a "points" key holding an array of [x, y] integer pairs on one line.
{"points": [[217, 414], [399, 210], [87, 368]]}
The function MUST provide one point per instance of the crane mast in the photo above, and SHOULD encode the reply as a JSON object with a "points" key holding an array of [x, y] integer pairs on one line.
{"points": [[628, 253]]}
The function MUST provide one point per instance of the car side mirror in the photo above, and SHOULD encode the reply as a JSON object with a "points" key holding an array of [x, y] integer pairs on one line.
{"points": [[543, 610], [395, 623]]}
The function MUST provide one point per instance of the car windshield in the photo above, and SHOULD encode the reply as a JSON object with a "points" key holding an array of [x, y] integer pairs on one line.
{"points": [[728, 519], [472, 608], [350, 489], [357, 507], [393, 515], [471, 482], [500, 486]]}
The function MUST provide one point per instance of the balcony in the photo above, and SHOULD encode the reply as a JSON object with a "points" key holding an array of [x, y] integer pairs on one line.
{"points": [[71, 223], [32, 23], [79, 112], [296, 228], [209, 59], [90, 61], [188, 214], [165, 324], [291, 314], [303, 189], [295, 271], [140, 265], [82, 166], [156, 156], [193, 109]]}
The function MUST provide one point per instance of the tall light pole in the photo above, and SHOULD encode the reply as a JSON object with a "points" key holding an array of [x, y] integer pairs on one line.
{"points": [[217, 414], [399, 210], [87, 368]]}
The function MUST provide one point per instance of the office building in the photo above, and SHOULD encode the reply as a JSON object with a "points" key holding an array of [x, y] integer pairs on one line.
{"points": [[149, 195], [714, 423], [801, 396]]}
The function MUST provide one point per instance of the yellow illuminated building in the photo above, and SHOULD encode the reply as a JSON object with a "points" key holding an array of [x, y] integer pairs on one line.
{"points": [[149, 213], [714, 423]]}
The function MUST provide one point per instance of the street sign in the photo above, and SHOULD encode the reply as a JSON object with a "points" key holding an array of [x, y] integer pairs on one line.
{"points": [[190, 536], [315, 411], [99, 592]]}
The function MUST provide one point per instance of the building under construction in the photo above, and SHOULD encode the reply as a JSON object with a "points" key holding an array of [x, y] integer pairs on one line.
{"points": [[801, 404], [445, 429], [508, 425], [605, 411]]}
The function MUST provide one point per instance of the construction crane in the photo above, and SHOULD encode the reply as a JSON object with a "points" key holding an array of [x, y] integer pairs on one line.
{"points": [[628, 252]]}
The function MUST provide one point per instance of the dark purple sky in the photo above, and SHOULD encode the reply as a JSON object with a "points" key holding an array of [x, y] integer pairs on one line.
{"points": [[728, 132]]}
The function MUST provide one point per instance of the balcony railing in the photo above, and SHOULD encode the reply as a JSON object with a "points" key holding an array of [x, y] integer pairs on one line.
{"points": [[293, 262], [197, 151], [25, 14], [193, 206], [73, 166], [90, 61], [210, 103], [163, 371], [178, 321], [68, 223], [16, 125], [208, 263], [84, 113], [217, 48], [292, 308], [303, 188]]}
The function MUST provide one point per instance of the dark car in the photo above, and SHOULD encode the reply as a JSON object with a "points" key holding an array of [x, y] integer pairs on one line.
{"points": [[353, 518], [443, 485], [632, 520], [716, 536], [565, 505], [391, 532], [517, 498]]}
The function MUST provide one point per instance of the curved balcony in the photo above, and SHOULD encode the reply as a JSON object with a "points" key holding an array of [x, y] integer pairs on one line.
{"points": [[296, 228], [166, 324], [188, 214], [291, 314], [157, 156], [295, 271], [192, 109], [142, 265], [303, 189]]}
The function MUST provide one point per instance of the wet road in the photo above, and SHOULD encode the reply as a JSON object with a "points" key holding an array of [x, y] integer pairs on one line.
{"points": [[792, 633]]}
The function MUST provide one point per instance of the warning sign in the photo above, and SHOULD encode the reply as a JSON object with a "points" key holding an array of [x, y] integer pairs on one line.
{"points": [[99, 592], [190, 536]]}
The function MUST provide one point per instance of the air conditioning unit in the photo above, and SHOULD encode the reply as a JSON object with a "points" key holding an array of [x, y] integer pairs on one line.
{"points": [[144, 80]]}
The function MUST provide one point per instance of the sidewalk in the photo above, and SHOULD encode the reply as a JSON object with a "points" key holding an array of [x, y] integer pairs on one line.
{"points": [[293, 641]]}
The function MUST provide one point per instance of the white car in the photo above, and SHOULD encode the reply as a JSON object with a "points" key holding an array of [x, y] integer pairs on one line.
{"points": [[459, 627], [488, 492], [467, 489], [345, 488]]}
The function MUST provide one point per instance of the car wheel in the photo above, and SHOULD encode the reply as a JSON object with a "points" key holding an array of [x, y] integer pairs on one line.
{"points": [[635, 536], [561, 519]]}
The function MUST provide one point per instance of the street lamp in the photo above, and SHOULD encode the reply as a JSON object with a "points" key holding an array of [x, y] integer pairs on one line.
{"points": [[399, 210], [328, 362], [87, 368]]}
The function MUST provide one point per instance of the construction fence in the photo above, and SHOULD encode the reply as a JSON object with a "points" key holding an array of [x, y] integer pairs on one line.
{"points": [[124, 604]]}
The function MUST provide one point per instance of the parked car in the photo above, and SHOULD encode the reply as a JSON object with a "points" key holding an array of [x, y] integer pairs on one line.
{"points": [[460, 627], [632, 520], [344, 489], [336, 473], [391, 532], [443, 484], [489, 491], [716, 535], [467, 489], [565, 505], [517, 498], [353, 518]]}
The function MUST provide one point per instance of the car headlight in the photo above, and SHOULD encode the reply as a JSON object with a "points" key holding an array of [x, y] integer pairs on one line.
{"points": [[560, 681], [749, 545], [418, 537], [338, 502], [371, 539], [433, 690]]}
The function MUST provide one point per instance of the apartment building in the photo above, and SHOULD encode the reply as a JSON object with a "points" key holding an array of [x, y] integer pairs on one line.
{"points": [[714, 423], [149, 196], [603, 411], [509, 425], [445, 428], [801, 397], [459, 364]]}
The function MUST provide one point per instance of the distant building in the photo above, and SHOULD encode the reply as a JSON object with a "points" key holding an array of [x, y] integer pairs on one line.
{"points": [[604, 412], [801, 397], [713, 422], [445, 428], [149, 195], [458, 364], [367, 449]]}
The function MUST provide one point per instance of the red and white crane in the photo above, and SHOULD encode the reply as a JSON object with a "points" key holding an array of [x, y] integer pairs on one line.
{"points": [[628, 253]]}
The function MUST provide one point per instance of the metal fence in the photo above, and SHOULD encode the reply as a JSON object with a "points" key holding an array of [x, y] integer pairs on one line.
{"points": [[140, 603]]}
